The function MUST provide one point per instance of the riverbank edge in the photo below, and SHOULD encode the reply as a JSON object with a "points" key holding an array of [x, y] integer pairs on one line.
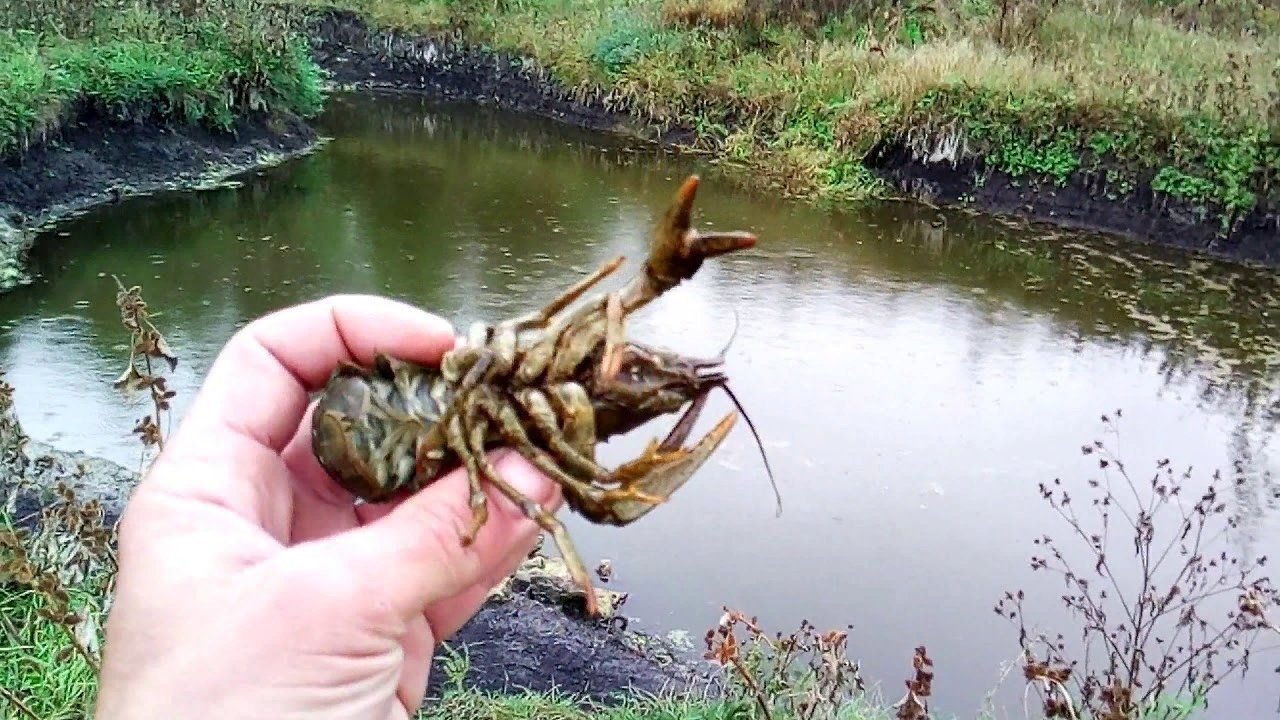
{"points": [[361, 55], [97, 161]]}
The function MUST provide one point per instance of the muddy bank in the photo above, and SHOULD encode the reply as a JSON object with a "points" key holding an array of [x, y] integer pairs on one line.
{"points": [[97, 161], [359, 56], [1085, 202], [530, 635]]}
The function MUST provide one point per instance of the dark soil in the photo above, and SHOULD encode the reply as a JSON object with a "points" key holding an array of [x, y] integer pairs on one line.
{"points": [[362, 57], [534, 644], [98, 161], [1082, 203]]}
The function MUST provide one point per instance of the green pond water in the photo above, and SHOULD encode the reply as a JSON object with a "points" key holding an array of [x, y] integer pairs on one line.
{"points": [[915, 374]]}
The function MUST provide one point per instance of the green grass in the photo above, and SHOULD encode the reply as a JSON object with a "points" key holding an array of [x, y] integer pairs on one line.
{"points": [[42, 674], [458, 701], [471, 705], [1133, 92], [135, 60], [37, 663]]}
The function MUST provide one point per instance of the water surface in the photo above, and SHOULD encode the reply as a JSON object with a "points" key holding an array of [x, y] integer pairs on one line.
{"points": [[915, 373]]}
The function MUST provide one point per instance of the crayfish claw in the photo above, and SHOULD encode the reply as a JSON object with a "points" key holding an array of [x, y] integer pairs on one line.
{"points": [[678, 249], [660, 471], [701, 245]]}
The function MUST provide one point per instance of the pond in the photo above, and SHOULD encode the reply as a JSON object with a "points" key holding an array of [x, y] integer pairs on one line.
{"points": [[915, 373]]}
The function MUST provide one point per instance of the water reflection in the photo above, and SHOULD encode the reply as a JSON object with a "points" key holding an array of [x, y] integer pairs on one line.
{"points": [[914, 373]]}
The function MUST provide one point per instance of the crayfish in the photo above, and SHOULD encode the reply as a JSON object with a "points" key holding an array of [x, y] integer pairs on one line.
{"points": [[551, 384]]}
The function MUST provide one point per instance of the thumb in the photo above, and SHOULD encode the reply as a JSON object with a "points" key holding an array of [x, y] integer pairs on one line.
{"points": [[413, 557]]}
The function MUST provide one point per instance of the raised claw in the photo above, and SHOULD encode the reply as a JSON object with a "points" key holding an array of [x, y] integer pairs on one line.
{"points": [[679, 249]]}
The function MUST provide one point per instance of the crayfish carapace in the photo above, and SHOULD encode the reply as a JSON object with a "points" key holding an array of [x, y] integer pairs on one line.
{"points": [[550, 384]]}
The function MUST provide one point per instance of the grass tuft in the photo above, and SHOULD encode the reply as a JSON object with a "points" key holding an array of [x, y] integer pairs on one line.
{"points": [[206, 64]]}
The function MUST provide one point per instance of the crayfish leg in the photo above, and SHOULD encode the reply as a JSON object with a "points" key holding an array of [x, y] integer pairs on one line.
{"points": [[590, 499], [545, 520], [513, 432], [611, 359], [577, 416], [542, 317], [476, 469], [544, 358], [546, 421], [560, 535]]}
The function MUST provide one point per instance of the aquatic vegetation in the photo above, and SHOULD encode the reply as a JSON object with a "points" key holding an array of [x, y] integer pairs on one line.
{"points": [[58, 567]]}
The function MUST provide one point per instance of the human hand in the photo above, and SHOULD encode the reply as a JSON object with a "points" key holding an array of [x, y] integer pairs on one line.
{"points": [[251, 586]]}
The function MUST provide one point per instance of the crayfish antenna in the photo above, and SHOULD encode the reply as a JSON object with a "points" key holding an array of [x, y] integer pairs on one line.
{"points": [[759, 443], [732, 336]]}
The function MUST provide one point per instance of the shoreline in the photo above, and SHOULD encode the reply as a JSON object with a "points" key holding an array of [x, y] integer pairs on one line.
{"points": [[97, 162], [361, 56]]}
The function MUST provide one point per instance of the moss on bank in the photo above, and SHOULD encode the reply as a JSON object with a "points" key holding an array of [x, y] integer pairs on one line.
{"points": [[208, 63], [1150, 100]]}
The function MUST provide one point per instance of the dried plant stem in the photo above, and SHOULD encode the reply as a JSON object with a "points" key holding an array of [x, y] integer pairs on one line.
{"points": [[147, 342], [1161, 640], [912, 706], [13, 699], [81, 649], [747, 677], [819, 687], [156, 402], [1051, 684]]}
